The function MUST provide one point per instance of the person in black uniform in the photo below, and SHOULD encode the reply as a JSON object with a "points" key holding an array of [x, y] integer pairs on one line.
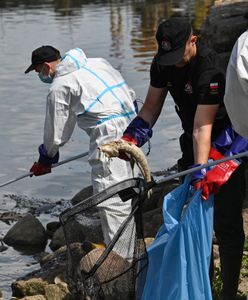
{"points": [[191, 73]]}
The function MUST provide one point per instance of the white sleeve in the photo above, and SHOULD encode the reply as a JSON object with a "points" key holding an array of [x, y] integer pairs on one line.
{"points": [[242, 66], [59, 122], [236, 92]]}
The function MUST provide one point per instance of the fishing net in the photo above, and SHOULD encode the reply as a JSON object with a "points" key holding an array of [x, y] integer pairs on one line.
{"points": [[117, 271]]}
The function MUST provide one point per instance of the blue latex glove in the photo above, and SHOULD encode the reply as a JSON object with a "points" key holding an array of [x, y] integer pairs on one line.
{"points": [[227, 144], [44, 158], [44, 164], [139, 130], [230, 143], [239, 145], [224, 141], [197, 176]]}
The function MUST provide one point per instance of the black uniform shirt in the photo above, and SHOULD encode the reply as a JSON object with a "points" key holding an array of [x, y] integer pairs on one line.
{"points": [[201, 81]]}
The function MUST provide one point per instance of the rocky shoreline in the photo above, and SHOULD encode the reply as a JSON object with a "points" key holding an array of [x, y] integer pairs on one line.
{"points": [[50, 281]]}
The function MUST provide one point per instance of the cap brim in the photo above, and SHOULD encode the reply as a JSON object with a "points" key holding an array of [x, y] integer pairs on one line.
{"points": [[170, 58], [30, 68]]}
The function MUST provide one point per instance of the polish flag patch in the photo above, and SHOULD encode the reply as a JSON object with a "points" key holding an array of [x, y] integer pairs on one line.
{"points": [[213, 87]]}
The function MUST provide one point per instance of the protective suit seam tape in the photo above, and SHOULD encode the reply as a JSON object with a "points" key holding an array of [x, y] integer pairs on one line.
{"points": [[99, 97], [99, 78], [115, 116], [75, 61]]}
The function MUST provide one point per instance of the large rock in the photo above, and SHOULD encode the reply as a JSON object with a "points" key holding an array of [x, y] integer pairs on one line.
{"points": [[114, 284], [225, 23], [82, 195], [57, 292], [28, 231], [31, 287], [38, 289]]}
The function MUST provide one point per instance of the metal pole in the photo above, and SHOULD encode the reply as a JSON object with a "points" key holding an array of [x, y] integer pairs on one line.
{"points": [[210, 164], [53, 166]]}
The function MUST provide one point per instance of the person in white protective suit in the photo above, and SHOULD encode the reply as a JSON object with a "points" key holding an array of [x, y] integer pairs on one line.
{"points": [[236, 91], [91, 93]]}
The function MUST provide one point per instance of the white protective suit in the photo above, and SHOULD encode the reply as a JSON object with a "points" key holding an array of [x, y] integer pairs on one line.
{"points": [[236, 93], [91, 93]]}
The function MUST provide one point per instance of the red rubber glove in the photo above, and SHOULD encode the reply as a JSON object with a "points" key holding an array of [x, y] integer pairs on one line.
{"points": [[216, 177], [215, 154], [39, 169], [197, 185], [198, 176], [130, 139]]}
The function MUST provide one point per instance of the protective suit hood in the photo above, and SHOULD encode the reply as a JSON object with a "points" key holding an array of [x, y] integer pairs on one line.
{"points": [[242, 66], [72, 61], [236, 91]]}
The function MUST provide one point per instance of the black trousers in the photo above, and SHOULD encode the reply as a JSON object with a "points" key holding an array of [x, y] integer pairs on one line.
{"points": [[228, 220]]}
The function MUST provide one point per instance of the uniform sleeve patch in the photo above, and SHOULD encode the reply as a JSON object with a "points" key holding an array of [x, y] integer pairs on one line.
{"points": [[214, 88]]}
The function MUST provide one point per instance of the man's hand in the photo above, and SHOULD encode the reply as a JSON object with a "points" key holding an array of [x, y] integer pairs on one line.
{"points": [[130, 139], [229, 143], [44, 164], [215, 178], [197, 176], [39, 169], [138, 132]]}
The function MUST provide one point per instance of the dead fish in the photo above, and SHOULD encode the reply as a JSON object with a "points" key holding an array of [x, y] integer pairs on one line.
{"points": [[113, 149]]}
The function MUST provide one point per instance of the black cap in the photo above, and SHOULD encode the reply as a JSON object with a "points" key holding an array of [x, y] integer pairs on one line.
{"points": [[172, 36], [41, 55]]}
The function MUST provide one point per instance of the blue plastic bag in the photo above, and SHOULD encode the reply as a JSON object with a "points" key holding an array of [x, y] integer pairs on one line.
{"points": [[179, 257]]}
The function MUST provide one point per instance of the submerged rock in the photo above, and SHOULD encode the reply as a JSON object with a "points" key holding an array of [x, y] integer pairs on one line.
{"points": [[9, 217]]}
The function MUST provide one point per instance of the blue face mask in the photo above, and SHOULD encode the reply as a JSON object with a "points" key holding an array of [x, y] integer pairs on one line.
{"points": [[45, 79]]}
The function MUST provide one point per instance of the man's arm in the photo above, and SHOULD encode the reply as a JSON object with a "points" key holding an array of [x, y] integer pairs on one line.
{"points": [[152, 107], [203, 124], [59, 122]]}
